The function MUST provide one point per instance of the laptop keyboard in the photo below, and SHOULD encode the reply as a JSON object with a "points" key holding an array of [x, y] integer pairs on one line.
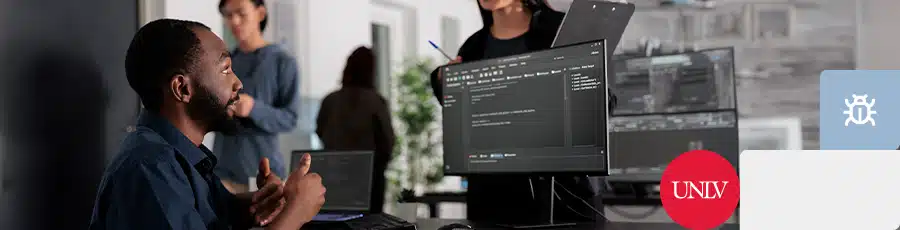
{"points": [[380, 222]]}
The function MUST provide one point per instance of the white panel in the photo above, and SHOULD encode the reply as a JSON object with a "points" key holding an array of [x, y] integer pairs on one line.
{"points": [[818, 189]]}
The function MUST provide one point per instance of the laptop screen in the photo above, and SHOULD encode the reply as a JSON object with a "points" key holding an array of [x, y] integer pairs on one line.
{"points": [[347, 175]]}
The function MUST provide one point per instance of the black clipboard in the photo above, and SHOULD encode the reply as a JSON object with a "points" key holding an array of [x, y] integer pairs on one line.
{"points": [[589, 20]]}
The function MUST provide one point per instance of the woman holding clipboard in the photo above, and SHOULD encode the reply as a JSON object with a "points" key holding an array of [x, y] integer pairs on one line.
{"points": [[513, 27]]}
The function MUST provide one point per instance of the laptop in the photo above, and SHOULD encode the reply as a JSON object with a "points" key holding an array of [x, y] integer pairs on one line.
{"points": [[590, 20], [348, 176]]}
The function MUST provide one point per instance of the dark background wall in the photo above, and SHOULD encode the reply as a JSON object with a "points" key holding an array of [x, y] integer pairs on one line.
{"points": [[65, 105]]}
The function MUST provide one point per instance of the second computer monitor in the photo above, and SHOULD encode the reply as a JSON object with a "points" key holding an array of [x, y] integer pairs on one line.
{"points": [[675, 83], [670, 104], [539, 112]]}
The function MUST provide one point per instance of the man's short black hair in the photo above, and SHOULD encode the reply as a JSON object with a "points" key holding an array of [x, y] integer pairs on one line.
{"points": [[159, 51], [257, 3]]}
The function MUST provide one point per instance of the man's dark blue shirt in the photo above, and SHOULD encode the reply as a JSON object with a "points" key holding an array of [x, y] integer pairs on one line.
{"points": [[161, 180]]}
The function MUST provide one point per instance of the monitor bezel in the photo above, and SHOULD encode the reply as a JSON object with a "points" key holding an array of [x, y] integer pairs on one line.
{"points": [[599, 172]]}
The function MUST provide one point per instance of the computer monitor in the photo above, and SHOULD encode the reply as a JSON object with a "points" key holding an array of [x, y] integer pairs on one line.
{"points": [[670, 104], [347, 175], [698, 81], [538, 112]]}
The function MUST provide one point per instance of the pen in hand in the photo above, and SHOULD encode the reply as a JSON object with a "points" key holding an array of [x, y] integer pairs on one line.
{"points": [[440, 50]]}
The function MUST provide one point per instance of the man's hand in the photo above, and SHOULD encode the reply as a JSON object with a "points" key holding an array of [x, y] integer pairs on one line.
{"points": [[304, 194], [304, 191], [244, 105], [268, 202]]}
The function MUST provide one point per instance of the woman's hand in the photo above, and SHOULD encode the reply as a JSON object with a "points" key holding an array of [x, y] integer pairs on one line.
{"points": [[454, 61]]}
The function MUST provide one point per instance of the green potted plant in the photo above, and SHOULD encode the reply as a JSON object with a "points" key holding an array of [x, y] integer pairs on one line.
{"points": [[416, 164]]}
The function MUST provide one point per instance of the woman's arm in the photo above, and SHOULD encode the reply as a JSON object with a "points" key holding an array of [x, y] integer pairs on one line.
{"points": [[280, 116]]}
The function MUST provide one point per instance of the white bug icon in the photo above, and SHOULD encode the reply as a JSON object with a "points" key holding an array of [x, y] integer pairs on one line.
{"points": [[860, 111]]}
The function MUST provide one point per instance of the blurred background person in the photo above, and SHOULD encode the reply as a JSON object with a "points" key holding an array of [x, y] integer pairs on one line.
{"points": [[356, 117], [268, 103]]}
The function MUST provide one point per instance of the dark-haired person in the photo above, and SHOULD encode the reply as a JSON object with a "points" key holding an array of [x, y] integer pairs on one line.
{"points": [[514, 27], [162, 177], [356, 117], [510, 27], [269, 100]]}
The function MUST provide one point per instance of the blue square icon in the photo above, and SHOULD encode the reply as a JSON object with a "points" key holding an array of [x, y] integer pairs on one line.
{"points": [[858, 110]]}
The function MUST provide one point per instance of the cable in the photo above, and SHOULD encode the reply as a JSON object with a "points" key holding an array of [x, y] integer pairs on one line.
{"points": [[617, 211], [570, 207], [533, 197], [582, 200], [531, 188]]}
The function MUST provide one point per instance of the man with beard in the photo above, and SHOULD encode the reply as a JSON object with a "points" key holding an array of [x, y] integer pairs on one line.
{"points": [[162, 178]]}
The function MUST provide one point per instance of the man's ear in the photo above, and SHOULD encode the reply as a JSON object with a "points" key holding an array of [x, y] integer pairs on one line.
{"points": [[180, 87]]}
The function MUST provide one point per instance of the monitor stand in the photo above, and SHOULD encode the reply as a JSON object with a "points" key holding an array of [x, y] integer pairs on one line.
{"points": [[550, 223]]}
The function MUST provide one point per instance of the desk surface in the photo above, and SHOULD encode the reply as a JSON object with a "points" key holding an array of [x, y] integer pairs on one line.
{"points": [[434, 224]]}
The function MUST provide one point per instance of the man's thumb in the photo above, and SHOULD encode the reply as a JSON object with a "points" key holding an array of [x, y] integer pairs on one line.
{"points": [[305, 163], [264, 169]]}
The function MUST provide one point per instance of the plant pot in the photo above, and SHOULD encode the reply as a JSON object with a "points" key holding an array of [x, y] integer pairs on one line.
{"points": [[407, 211]]}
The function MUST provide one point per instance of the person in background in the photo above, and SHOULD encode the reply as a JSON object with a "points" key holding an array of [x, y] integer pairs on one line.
{"points": [[513, 27], [162, 177], [268, 103], [510, 27], [356, 117]]}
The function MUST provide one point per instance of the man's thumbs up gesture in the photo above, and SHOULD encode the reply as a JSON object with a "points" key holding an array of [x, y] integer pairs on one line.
{"points": [[269, 200], [304, 194]]}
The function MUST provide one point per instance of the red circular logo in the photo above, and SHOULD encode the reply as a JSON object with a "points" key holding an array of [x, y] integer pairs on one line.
{"points": [[700, 189]]}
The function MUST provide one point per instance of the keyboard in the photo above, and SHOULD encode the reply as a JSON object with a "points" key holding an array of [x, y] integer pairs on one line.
{"points": [[380, 222]]}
